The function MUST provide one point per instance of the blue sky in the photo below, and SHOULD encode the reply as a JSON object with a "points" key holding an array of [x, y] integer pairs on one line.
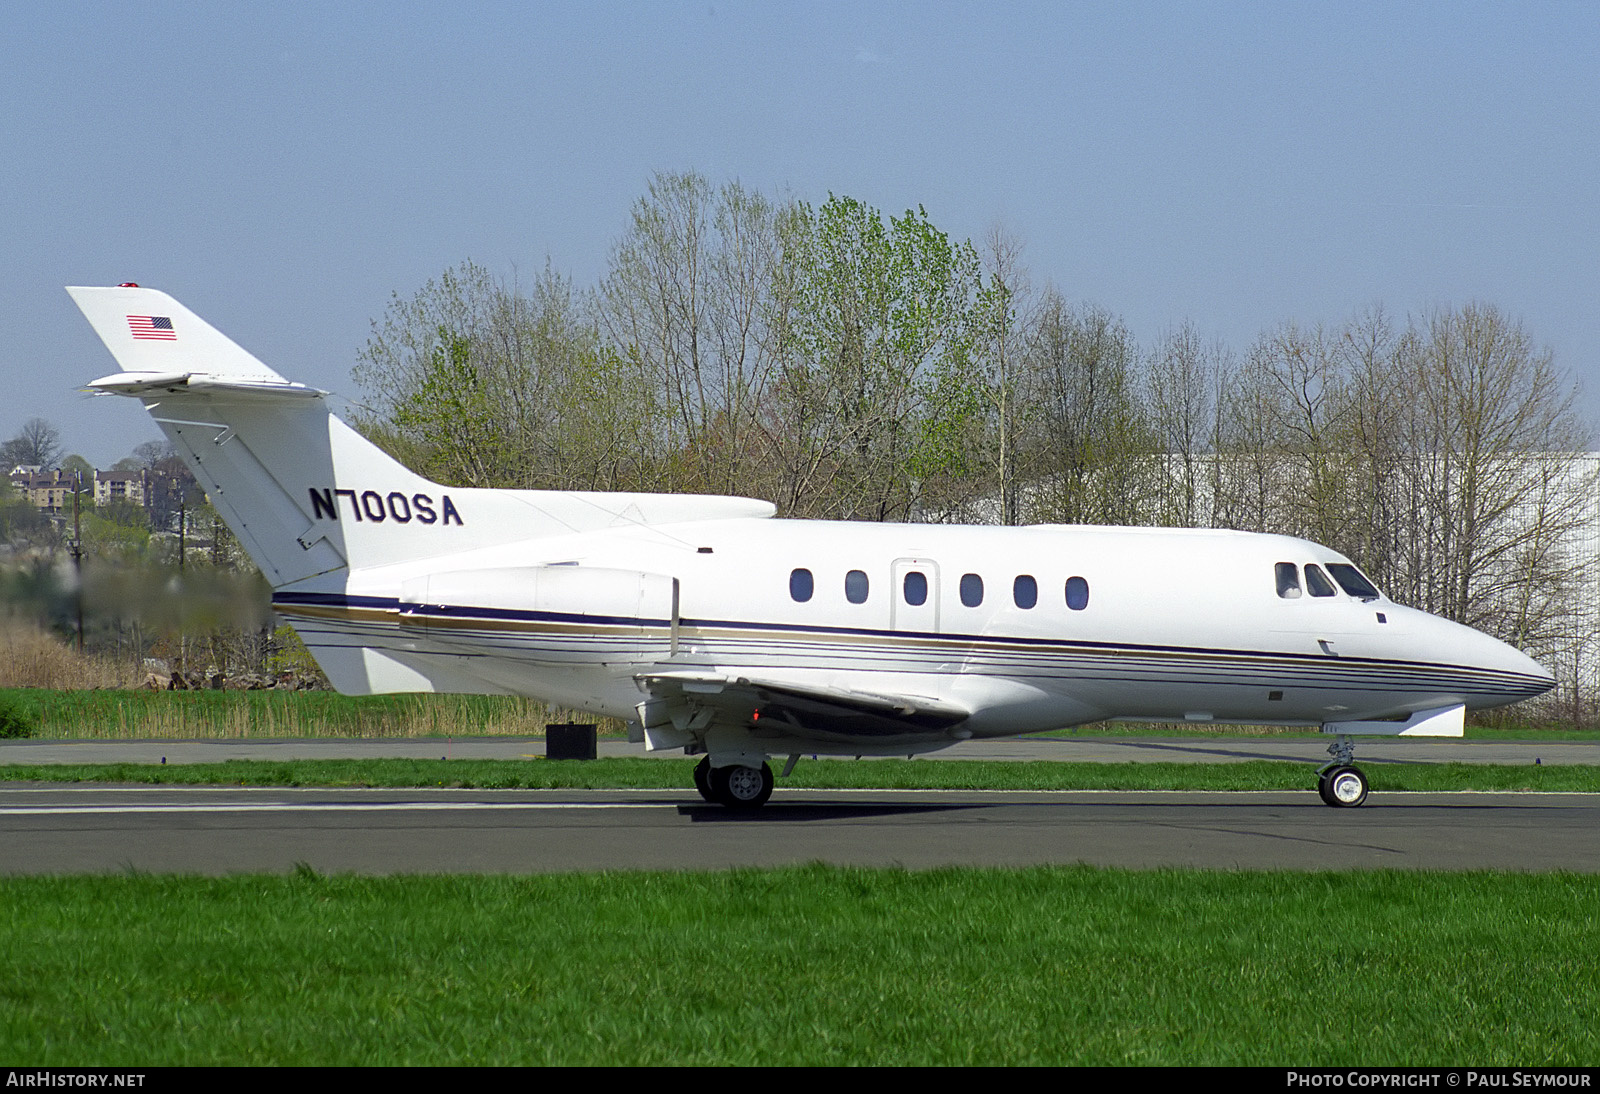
{"points": [[283, 169]]}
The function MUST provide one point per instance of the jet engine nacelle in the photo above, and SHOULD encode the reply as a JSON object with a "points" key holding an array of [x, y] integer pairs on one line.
{"points": [[628, 602], [498, 626]]}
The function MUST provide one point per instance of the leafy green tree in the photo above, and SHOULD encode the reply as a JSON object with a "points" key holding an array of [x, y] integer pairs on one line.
{"points": [[879, 398], [120, 530], [77, 465], [478, 383], [21, 523]]}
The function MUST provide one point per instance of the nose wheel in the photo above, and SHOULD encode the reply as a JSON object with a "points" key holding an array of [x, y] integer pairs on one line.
{"points": [[1340, 783]]}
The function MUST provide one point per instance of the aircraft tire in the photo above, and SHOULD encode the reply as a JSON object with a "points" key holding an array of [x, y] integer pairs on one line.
{"points": [[702, 778], [1343, 787], [740, 787]]}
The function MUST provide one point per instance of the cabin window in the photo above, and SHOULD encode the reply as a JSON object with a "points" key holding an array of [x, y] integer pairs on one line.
{"points": [[1025, 591], [916, 588], [1077, 593], [1318, 582], [801, 585], [971, 590], [1288, 580], [855, 586], [1353, 581]]}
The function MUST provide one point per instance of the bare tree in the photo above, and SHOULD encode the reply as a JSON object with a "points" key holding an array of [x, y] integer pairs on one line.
{"points": [[1088, 448], [1498, 489], [1181, 392], [153, 454], [38, 443], [1003, 308], [686, 301]]}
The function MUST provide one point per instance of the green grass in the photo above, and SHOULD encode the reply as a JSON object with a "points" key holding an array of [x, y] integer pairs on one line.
{"points": [[809, 965], [185, 715], [1500, 730], [675, 774]]}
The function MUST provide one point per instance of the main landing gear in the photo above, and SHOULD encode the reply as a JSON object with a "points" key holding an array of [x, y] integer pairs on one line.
{"points": [[735, 786], [1338, 782]]}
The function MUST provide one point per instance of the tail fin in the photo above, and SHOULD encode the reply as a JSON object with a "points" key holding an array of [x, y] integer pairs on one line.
{"points": [[306, 494], [149, 332]]}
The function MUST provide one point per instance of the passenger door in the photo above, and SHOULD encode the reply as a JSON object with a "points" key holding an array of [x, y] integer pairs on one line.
{"points": [[914, 598]]}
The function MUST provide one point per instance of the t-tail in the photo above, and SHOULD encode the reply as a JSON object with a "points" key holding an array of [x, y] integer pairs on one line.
{"points": [[305, 493]]}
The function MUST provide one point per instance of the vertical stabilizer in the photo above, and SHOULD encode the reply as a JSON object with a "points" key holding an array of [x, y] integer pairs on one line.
{"points": [[148, 331], [306, 494]]}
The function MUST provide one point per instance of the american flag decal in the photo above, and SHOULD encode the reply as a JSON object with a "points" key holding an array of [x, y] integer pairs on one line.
{"points": [[157, 327]]}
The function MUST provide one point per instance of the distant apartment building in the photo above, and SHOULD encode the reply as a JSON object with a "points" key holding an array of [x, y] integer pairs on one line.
{"points": [[161, 493], [129, 486], [49, 491]]}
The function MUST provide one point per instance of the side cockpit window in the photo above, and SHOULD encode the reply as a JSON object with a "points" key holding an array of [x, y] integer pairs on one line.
{"points": [[1317, 582], [1288, 575]]}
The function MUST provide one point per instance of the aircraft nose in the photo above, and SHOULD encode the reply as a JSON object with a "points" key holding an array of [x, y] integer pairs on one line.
{"points": [[1497, 672]]}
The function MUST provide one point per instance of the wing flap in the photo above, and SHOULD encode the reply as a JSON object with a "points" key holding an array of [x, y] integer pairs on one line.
{"points": [[694, 699]]}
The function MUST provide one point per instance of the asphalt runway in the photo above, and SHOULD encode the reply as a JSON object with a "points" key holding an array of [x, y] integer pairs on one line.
{"points": [[1067, 748], [96, 829], [220, 831]]}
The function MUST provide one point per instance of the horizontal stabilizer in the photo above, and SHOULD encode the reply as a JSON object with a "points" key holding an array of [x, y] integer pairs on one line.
{"points": [[177, 383]]}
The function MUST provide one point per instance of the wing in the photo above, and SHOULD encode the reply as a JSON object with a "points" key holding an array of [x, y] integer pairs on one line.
{"points": [[693, 701]]}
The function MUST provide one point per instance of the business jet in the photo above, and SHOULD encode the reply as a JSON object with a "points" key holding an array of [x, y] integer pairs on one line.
{"points": [[711, 626]]}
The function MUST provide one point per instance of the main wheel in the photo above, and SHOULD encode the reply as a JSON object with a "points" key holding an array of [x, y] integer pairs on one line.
{"points": [[702, 779], [740, 787], [1343, 787]]}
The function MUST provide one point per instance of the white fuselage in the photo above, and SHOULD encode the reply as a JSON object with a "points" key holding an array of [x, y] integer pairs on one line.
{"points": [[1164, 624]]}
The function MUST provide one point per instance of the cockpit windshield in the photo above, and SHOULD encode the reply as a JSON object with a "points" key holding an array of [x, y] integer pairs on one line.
{"points": [[1353, 581]]}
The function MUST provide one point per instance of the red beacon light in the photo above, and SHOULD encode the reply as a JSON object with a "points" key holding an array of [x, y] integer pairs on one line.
{"points": [[128, 285]]}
